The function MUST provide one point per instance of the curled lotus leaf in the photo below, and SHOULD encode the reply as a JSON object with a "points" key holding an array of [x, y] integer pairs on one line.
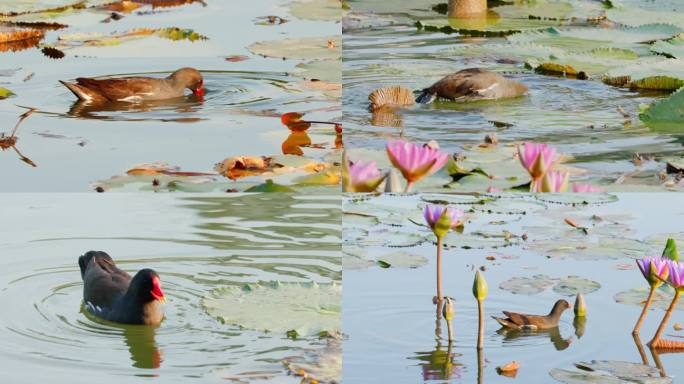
{"points": [[305, 308]]}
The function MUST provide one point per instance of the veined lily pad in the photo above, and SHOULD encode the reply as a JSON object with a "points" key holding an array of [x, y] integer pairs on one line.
{"points": [[669, 111], [609, 372], [306, 308], [324, 10], [568, 286], [306, 48], [637, 296]]}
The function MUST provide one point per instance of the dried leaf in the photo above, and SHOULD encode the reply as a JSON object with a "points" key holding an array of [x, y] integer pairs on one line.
{"points": [[390, 97], [509, 370]]}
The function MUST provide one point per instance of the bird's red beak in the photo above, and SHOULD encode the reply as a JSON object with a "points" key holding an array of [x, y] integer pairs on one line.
{"points": [[156, 291], [199, 92]]}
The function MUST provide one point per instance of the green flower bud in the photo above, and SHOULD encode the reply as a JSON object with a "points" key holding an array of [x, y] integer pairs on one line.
{"points": [[580, 306], [480, 288]]}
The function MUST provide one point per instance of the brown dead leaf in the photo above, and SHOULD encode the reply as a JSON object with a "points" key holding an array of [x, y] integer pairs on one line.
{"points": [[571, 222], [509, 370]]}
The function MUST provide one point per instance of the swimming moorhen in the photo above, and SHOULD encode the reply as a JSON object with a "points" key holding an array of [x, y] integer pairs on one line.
{"points": [[472, 84], [112, 294], [137, 89], [534, 322]]}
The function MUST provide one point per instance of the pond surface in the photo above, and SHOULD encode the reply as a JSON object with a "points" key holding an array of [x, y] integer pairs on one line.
{"points": [[390, 319], [580, 117], [196, 243], [75, 145]]}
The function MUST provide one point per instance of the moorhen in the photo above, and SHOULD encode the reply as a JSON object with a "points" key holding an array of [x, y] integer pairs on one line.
{"points": [[137, 89], [472, 84], [112, 294], [534, 322]]}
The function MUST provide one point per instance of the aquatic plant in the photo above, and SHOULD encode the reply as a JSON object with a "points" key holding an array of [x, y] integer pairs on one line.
{"points": [[537, 159], [675, 279], [480, 291], [441, 220], [359, 176], [448, 314], [415, 161], [655, 270]]}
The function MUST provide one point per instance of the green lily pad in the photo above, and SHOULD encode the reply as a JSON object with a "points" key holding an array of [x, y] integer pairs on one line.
{"points": [[305, 48], [637, 296], [457, 199], [480, 240], [572, 285], [527, 285], [577, 198], [269, 186], [319, 10], [401, 260], [673, 47], [5, 93], [589, 249], [664, 75], [638, 12], [305, 308], [609, 372], [568, 286], [324, 70], [667, 111], [393, 238]]}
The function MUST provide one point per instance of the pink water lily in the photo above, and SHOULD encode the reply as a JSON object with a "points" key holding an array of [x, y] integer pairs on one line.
{"points": [[415, 161], [441, 219], [676, 280], [536, 158], [433, 213], [360, 177], [654, 269], [585, 188], [552, 181]]}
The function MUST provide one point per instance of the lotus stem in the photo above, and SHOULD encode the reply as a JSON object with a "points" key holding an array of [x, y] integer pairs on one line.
{"points": [[480, 366], [409, 185], [656, 338], [649, 300], [658, 363], [450, 331], [480, 327], [438, 322], [439, 269], [640, 348]]}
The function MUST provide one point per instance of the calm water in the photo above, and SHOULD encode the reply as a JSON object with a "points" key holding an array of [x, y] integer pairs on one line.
{"points": [[580, 117], [390, 319], [74, 146], [196, 244]]}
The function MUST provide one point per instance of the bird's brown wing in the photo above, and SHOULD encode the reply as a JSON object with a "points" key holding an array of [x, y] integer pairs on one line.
{"points": [[119, 89], [103, 282], [519, 318]]}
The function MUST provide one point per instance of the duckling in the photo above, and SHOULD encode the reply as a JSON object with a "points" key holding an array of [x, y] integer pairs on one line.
{"points": [[472, 84]]}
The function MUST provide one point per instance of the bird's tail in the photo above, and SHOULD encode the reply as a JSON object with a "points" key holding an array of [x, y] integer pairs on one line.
{"points": [[425, 97], [76, 90], [84, 260]]}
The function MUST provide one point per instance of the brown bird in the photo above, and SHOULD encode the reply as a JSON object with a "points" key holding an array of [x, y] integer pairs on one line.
{"points": [[112, 294], [137, 89], [534, 322], [470, 85]]}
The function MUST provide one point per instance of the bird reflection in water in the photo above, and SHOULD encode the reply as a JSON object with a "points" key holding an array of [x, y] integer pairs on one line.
{"points": [[111, 110], [142, 346], [10, 142], [552, 333]]}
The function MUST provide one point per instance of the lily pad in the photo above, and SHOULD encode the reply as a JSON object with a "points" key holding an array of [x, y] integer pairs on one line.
{"points": [[319, 10], [393, 238], [568, 286], [608, 372], [664, 75], [305, 48], [305, 308], [590, 249], [572, 285], [269, 186], [577, 198], [669, 111], [637, 296], [673, 47], [402, 260], [480, 240]]}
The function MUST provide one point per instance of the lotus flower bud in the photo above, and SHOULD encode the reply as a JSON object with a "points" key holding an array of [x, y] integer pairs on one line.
{"points": [[580, 306], [480, 288]]}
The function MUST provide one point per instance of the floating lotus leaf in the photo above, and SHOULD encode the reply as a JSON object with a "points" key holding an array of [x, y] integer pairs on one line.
{"points": [[354, 257], [572, 285], [321, 365], [568, 286], [527, 285], [353, 235], [637, 296], [323, 10], [324, 70], [356, 221], [609, 372], [637, 12], [577, 198], [305, 48], [306, 308], [393, 238], [589, 249], [480, 240], [457, 199], [401, 260], [575, 39], [667, 75], [269, 186], [507, 206], [673, 47], [666, 112], [52, 6]]}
